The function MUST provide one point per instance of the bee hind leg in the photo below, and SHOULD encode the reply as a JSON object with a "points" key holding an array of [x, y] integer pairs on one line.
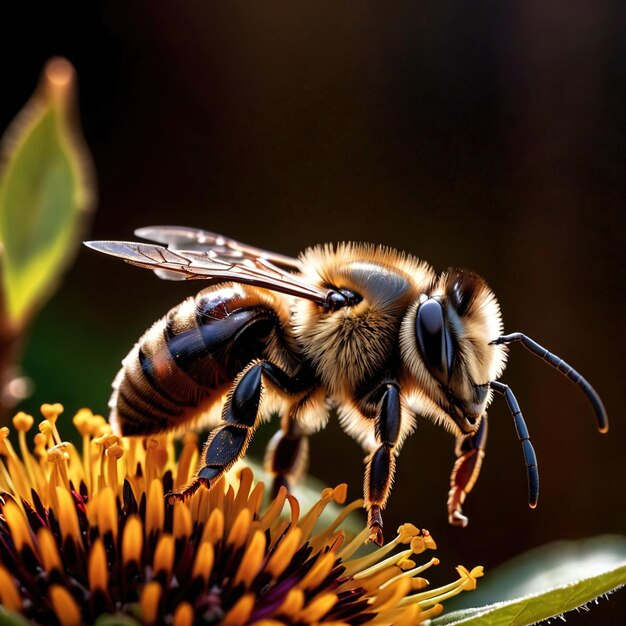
{"points": [[470, 451], [381, 464], [287, 454], [228, 442]]}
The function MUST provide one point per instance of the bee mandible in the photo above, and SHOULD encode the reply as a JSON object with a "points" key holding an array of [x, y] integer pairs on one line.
{"points": [[367, 330]]}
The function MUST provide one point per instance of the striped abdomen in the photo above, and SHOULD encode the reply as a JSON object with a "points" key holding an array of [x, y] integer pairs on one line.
{"points": [[188, 359]]}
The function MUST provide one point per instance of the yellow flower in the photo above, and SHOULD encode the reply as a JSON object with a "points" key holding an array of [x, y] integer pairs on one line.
{"points": [[88, 533]]}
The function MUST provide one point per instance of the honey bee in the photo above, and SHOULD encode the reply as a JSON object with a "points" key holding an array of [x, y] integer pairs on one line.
{"points": [[369, 331]]}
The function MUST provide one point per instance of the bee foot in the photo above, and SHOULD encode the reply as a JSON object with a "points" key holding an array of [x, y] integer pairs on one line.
{"points": [[375, 524], [456, 518], [171, 497]]}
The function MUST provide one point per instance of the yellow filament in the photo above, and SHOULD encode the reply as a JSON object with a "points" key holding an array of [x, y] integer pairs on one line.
{"points": [[319, 571], [18, 525], [252, 559], [23, 423], [432, 612], [466, 582], [183, 524], [359, 567], [76, 470], [240, 529], [348, 550], [149, 602], [65, 607], [164, 555], [17, 475], [184, 615], [82, 422], [412, 572], [203, 563], [240, 613], [66, 513], [214, 528], [246, 478], [132, 540], [98, 569], [256, 498], [294, 505], [41, 451], [338, 494], [417, 583], [371, 583], [58, 456], [187, 459], [48, 551], [390, 595], [133, 453], [315, 610], [274, 510], [156, 458], [321, 537], [425, 598], [106, 512], [407, 616], [113, 455], [284, 552], [293, 603], [9, 594], [155, 509]]}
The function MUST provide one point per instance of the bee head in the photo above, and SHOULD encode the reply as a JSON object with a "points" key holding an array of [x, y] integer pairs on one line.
{"points": [[445, 342]]}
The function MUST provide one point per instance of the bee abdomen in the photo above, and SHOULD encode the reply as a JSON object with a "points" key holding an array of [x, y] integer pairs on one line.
{"points": [[186, 361]]}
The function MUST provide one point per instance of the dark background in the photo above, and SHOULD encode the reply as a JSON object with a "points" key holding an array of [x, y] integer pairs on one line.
{"points": [[486, 135]]}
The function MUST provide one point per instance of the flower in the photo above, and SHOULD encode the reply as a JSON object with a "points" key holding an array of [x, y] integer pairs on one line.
{"points": [[89, 533]]}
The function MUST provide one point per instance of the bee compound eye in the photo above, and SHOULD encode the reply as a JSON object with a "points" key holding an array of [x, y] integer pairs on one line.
{"points": [[432, 338]]}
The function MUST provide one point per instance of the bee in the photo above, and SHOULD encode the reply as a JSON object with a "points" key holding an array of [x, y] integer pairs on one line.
{"points": [[369, 331]]}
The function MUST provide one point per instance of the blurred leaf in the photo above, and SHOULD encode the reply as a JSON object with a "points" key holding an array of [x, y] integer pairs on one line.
{"points": [[544, 583], [7, 618], [45, 194]]}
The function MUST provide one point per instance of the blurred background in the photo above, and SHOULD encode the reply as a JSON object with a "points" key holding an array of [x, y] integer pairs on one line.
{"points": [[489, 136]]}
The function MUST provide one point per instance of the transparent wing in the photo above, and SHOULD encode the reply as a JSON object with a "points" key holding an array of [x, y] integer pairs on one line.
{"points": [[206, 264], [218, 246]]}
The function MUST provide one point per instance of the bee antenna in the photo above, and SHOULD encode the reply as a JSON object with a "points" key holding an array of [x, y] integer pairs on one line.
{"points": [[565, 369], [530, 457]]}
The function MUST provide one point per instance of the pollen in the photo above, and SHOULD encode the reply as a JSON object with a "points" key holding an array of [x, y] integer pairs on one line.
{"points": [[95, 525]]}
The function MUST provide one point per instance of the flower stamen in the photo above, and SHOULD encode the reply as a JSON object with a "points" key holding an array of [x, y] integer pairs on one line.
{"points": [[97, 530]]}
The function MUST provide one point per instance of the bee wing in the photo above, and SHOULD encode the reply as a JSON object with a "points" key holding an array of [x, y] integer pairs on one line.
{"points": [[206, 265], [224, 248]]}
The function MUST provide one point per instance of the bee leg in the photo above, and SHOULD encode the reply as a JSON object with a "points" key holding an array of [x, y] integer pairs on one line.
{"points": [[381, 465], [470, 451], [287, 455], [228, 442]]}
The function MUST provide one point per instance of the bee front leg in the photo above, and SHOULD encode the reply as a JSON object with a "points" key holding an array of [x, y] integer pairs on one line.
{"points": [[381, 464], [228, 442], [470, 451]]}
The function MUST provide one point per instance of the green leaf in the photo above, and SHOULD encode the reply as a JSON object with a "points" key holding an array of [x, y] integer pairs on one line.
{"points": [[7, 618], [44, 194], [544, 583]]}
